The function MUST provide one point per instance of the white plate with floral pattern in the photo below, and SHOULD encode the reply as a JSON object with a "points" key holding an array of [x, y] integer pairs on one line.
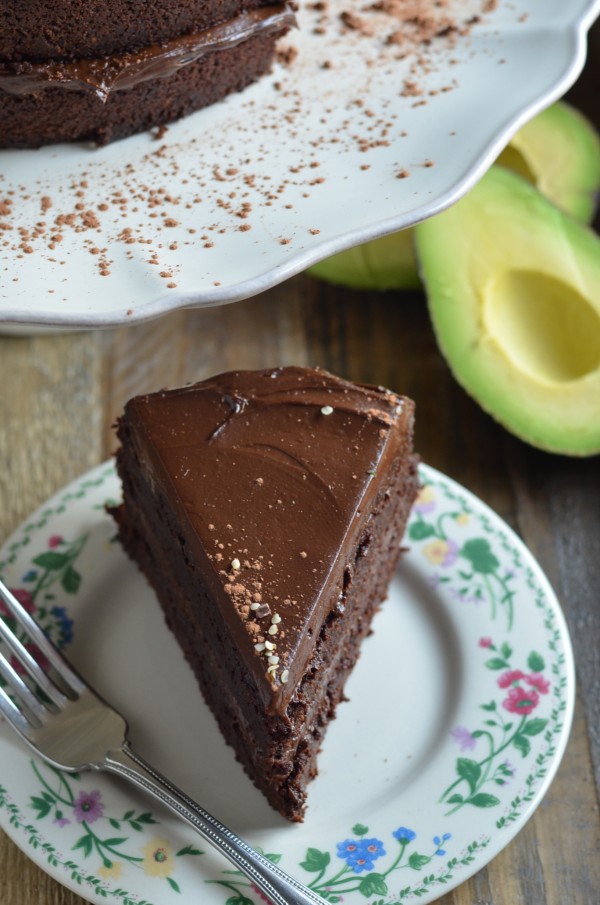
{"points": [[459, 713], [366, 132]]}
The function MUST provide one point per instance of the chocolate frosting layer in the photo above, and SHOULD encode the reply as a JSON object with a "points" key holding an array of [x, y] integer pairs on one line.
{"points": [[268, 474], [104, 75]]}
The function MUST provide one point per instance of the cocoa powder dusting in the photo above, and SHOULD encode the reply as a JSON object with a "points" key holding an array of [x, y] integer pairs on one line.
{"points": [[154, 210]]}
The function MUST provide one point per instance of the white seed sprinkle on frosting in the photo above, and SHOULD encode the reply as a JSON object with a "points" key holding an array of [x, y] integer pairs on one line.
{"points": [[269, 645], [235, 565], [327, 410], [285, 676], [254, 606], [259, 647], [273, 659], [273, 630], [275, 618]]}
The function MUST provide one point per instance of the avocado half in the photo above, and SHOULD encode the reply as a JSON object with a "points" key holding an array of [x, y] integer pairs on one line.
{"points": [[385, 263], [513, 287], [558, 151]]}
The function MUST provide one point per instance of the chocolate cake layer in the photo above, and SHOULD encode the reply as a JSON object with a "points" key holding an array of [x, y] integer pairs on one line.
{"points": [[268, 509], [42, 30], [132, 89], [57, 115]]}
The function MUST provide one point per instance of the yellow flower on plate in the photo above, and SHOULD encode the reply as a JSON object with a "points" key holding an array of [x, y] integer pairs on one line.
{"points": [[111, 873], [425, 495], [159, 860], [440, 552], [463, 518]]}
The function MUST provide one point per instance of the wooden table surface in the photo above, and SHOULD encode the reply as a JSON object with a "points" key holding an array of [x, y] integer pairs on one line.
{"points": [[60, 395]]}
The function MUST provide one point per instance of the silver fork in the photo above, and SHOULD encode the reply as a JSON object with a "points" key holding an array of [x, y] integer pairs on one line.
{"points": [[71, 727]]}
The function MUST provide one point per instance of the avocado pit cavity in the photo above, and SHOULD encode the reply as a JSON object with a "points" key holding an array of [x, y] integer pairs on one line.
{"points": [[546, 328], [513, 159]]}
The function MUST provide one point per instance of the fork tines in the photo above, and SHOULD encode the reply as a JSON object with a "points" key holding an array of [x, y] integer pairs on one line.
{"points": [[34, 691]]}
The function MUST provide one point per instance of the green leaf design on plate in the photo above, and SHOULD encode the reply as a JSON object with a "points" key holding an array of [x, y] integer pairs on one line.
{"points": [[51, 560], [71, 580], [469, 770], [535, 662], [418, 861], [483, 800], [521, 744], [373, 884], [479, 553], [315, 860], [420, 530], [534, 727], [496, 663], [189, 850], [84, 843], [41, 805]]}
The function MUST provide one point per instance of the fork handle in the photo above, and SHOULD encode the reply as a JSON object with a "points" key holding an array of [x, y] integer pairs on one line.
{"points": [[279, 887]]}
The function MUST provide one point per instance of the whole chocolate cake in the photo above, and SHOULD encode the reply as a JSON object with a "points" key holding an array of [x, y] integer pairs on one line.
{"points": [[267, 510], [79, 70]]}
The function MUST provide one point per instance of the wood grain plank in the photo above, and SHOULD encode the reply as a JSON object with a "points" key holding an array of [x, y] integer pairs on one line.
{"points": [[49, 418]]}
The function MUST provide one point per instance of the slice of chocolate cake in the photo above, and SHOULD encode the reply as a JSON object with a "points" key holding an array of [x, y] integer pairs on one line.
{"points": [[266, 509]]}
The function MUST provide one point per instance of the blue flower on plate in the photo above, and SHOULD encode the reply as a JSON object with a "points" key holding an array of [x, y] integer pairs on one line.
{"points": [[438, 841], [64, 623], [360, 854], [404, 835]]}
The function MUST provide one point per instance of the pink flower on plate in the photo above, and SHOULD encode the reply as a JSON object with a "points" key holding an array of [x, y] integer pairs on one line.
{"points": [[88, 807], [512, 675], [520, 700], [37, 655], [485, 642], [539, 682], [260, 894], [23, 596], [55, 541]]}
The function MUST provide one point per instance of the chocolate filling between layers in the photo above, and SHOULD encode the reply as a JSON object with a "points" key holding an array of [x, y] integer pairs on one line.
{"points": [[122, 72], [53, 115]]}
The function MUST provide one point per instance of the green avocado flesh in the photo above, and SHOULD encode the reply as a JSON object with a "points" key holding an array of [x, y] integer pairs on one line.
{"points": [[386, 263], [513, 287], [558, 151]]}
